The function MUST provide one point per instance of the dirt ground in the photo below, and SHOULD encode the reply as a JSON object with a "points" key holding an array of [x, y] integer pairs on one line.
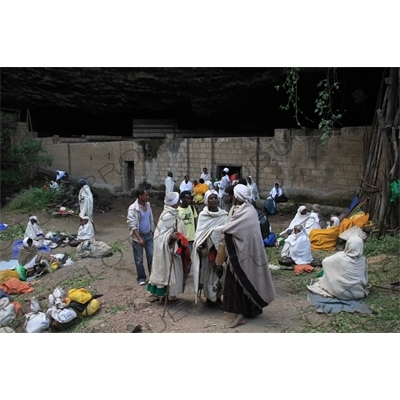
{"points": [[125, 304]]}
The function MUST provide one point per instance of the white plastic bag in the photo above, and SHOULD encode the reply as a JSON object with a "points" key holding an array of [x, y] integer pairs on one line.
{"points": [[64, 315], [36, 322], [7, 311]]}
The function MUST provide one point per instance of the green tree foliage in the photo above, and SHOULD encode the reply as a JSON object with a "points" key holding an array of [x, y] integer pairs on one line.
{"points": [[19, 164], [327, 118]]}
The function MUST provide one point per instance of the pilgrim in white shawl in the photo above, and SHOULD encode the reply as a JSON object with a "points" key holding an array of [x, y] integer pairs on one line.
{"points": [[297, 246], [299, 219], [253, 187], [27, 253], [334, 221], [34, 231], [85, 232], [169, 183], [170, 259], [346, 272], [85, 200], [313, 221], [208, 277], [248, 286]]}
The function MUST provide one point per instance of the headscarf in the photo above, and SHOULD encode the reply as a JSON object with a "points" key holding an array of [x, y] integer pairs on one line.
{"points": [[171, 199], [242, 193], [298, 247], [82, 182], [35, 218], [170, 174], [25, 242], [299, 219], [336, 222], [86, 218], [298, 227], [346, 272], [208, 194], [226, 169]]}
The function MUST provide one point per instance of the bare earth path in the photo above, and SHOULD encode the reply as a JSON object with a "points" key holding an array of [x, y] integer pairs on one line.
{"points": [[125, 304]]}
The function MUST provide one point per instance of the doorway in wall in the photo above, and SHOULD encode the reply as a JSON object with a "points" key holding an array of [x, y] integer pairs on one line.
{"points": [[129, 175], [233, 169]]}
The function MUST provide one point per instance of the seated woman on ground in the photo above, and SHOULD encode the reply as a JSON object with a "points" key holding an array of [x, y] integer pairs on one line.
{"points": [[34, 231], [32, 259], [297, 246], [85, 232], [346, 272], [199, 191], [334, 221], [300, 218]]}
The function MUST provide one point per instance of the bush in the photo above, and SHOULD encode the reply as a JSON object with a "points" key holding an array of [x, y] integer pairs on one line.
{"points": [[35, 199]]}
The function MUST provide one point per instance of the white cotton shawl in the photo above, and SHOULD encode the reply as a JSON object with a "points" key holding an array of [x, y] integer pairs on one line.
{"points": [[254, 189], [86, 231], [86, 202], [209, 225], [298, 248], [312, 222], [165, 258], [33, 230], [346, 272], [169, 184], [298, 219], [250, 251]]}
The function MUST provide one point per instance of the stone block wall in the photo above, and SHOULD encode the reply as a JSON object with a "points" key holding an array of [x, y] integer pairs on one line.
{"points": [[306, 170]]}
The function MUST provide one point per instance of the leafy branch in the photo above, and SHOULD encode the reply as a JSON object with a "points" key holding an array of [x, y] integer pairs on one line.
{"points": [[324, 104], [290, 85]]}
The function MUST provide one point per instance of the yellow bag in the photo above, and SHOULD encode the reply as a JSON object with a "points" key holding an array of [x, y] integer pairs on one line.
{"points": [[81, 295], [91, 308]]}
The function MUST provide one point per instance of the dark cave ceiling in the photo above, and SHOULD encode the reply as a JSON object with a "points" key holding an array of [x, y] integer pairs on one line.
{"points": [[104, 101]]}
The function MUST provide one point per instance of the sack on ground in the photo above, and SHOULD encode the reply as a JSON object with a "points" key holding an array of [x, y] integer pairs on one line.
{"points": [[94, 249], [36, 322], [80, 295], [7, 311]]}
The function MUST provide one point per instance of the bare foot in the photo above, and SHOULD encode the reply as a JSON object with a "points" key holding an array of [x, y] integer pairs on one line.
{"points": [[240, 320]]}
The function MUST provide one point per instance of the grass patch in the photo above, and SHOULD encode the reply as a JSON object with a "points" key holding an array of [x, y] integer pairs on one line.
{"points": [[384, 245], [118, 247], [12, 232], [36, 199], [383, 269]]}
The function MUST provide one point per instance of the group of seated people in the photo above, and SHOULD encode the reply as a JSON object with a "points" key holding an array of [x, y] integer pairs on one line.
{"points": [[344, 273], [32, 258]]}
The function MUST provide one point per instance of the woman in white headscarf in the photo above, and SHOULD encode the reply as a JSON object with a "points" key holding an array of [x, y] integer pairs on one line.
{"points": [[300, 218], [167, 272], [297, 246], [346, 272], [253, 187], [206, 276], [334, 221], [85, 232], [34, 231], [248, 284]]}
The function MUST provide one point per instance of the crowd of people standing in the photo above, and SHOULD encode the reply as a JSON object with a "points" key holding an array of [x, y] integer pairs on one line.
{"points": [[218, 246]]}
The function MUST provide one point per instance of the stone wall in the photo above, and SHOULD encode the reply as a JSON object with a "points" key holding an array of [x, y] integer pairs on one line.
{"points": [[307, 171]]}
